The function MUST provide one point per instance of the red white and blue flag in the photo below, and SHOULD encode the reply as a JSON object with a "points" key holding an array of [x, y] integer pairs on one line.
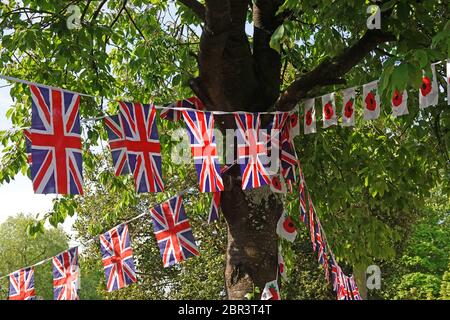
{"points": [[28, 145], [354, 289], [214, 208], [175, 115], [56, 141], [200, 128], [252, 151], [117, 144], [289, 159], [312, 223], [173, 232], [334, 275], [66, 275], [302, 198], [21, 285], [143, 147], [117, 258], [321, 245]]}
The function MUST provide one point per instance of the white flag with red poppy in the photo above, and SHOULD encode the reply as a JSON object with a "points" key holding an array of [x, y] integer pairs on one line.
{"points": [[281, 265], [294, 124], [286, 228], [429, 91], [348, 111], [399, 103], [371, 101], [271, 291], [278, 184], [329, 110], [448, 82], [310, 116]]}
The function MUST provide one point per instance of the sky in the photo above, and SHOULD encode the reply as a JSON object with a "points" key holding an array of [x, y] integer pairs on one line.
{"points": [[18, 196]]}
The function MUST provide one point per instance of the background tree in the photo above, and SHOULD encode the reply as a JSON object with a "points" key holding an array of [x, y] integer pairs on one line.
{"points": [[369, 184], [18, 250]]}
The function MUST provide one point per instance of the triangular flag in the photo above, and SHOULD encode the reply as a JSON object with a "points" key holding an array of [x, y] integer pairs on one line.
{"points": [[281, 265], [271, 291], [329, 110], [371, 101], [429, 91], [348, 111], [286, 228], [399, 103], [310, 116]]}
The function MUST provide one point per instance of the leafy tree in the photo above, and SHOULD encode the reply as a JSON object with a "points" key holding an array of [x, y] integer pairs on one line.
{"points": [[370, 184], [18, 250], [418, 271]]}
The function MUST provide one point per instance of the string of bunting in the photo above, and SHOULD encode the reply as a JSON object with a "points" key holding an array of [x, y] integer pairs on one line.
{"points": [[53, 146], [134, 140], [177, 243], [344, 286]]}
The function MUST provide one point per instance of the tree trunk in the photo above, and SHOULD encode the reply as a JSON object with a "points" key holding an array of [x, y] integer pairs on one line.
{"points": [[252, 240], [233, 75], [360, 277]]}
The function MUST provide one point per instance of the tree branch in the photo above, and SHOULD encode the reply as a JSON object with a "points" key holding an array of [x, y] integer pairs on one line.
{"points": [[331, 71], [97, 11], [134, 23], [116, 18], [196, 7]]}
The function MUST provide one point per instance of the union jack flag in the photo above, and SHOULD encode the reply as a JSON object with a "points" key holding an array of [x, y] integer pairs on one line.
{"points": [[173, 232], [214, 209], [343, 288], [66, 275], [143, 148], [273, 137], [56, 141], [321, 245], [289, 159], [334, 274], [117, 258], [28, 145], [354, 288], [252, 151], [117, 144], [302, 198], [312, 219], [322, 254], [175, 115], [326, 267], [200, 128], [21, 285]]}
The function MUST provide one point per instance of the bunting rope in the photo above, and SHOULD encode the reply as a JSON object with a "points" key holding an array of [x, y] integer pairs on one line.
{"points": [[160, 107], [95, 238]]}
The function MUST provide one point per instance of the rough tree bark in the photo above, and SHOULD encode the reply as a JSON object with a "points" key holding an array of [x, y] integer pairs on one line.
{"points": [[235, 76]]}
